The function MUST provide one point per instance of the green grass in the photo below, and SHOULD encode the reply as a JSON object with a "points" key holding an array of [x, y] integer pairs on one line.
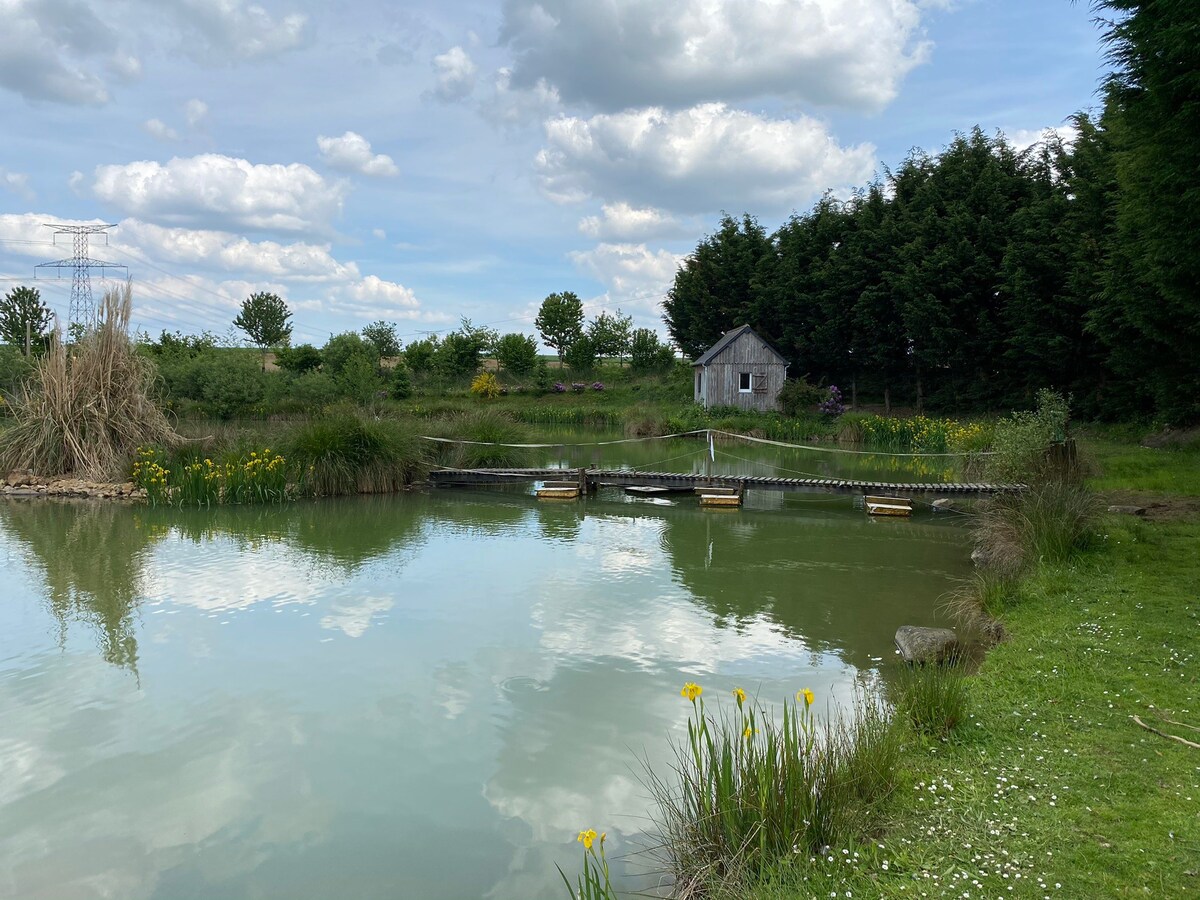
{"points": [[1123, 465], [1049, 778]]}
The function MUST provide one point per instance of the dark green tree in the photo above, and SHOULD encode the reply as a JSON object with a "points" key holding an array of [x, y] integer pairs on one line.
{"points": [[341, 349], [714, 289], [24, 319], [1149, 314], [560, 321], [420, 355], [264, 317]]}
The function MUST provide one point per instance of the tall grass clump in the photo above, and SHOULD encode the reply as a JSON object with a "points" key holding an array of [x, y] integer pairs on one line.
{"points": [[1047, 523], [1021, 442], [346, 453], [483, 432], [750, 791], [85, 409], [933, 698]]}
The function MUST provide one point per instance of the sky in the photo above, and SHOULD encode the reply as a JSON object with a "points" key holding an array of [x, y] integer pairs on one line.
{"points": [[424, 161]]}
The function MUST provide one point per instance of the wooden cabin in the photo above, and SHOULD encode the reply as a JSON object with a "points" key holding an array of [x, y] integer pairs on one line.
{"points": [[741, 369]]}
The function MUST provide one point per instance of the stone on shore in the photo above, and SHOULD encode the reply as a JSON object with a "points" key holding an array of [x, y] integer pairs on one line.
{"points": [[926, 645]]}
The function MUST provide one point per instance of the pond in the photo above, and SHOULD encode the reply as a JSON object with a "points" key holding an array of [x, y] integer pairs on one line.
{"points": [[424, 695]]}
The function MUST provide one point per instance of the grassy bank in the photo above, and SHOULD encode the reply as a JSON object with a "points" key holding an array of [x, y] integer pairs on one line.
{"points": [[1050, 788]]}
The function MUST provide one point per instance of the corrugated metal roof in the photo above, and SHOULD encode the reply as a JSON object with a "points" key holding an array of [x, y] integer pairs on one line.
{"points": [[728, 338]]}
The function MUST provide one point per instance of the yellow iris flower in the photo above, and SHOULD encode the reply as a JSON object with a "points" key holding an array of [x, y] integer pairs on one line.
{"points": [[740, 695], [691, 691], [586, 838], [806, 695]]}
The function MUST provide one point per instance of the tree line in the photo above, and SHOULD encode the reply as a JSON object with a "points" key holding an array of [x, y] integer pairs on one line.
{"points": [[971, 278]]}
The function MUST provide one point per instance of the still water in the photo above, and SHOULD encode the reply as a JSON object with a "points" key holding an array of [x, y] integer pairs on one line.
{"points": [[418, 696]]}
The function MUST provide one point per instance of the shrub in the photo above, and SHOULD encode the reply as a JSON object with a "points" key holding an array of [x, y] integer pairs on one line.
{"points": [[297, 360], [580, 356], [486, 386], [15, 367], [797, 396], [359, 378], [597, 385], [517, 353], [832, 405], [400, 382], [225, 385], [648, 354], [312, 390], [340, 349], [419, 355], [1021, 441]]}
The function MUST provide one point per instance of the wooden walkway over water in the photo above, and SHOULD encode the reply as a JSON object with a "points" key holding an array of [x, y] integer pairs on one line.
{"points": [[590, 479]]}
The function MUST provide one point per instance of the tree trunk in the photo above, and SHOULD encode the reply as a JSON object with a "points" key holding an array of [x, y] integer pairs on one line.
{"points": [[887, 400]]}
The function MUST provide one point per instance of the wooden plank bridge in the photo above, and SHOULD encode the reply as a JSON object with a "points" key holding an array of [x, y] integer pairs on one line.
{"points": [[589, 479]]}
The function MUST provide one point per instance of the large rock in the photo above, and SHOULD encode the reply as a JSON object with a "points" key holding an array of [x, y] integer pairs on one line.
{"points": [[926, 645]]}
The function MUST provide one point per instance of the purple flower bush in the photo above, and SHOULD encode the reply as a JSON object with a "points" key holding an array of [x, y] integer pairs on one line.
{"points": [[578, 387], [559, 387], [597, 385], [832, 405]]}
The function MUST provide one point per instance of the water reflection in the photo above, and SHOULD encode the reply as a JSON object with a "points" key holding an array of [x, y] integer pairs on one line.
{"points": [[424, 695], [91, 558]]}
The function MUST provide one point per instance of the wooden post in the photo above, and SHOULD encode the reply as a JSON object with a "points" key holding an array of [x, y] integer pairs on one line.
{"points": [[27, 337]]}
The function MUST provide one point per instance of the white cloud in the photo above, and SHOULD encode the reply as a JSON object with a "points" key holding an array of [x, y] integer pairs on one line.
{"points": [[49, 51], [160, 130], [16, 183], [65, 51], [622, 222], [352, 153], [227, 31], [196, 112], [226, 252], [211, 189], [1024, 138], [455, 74], [509, 106], [697, 160], [628, 53], [635, 277]]}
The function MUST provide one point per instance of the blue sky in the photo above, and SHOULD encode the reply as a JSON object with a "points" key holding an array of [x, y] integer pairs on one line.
{"points": [[424, 161]]}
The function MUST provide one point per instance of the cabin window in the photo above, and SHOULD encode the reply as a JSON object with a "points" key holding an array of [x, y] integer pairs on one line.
{"points": [[744, 382]]}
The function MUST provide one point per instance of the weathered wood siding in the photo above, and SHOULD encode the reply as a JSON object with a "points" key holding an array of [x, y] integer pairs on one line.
{"points": [[722, 377]]}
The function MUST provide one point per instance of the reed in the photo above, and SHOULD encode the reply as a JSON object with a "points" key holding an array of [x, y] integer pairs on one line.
{"points": [[483, 432], [933, 698], [85, 409]]}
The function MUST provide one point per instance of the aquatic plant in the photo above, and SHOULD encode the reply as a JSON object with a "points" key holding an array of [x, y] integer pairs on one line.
{"points": [[86, 409], [347, 454], [482, 432], [594, 883], [750, 791], [150, 473]]}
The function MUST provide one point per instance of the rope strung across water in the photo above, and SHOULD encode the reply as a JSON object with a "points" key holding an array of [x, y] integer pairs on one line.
{"points": [[708, 431]]}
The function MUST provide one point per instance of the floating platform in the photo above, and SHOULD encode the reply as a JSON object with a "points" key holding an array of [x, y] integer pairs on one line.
{"points": [[888, 506], [718, 495], [559, 490]]}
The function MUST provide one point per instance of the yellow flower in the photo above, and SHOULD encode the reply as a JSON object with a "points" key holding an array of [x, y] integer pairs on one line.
{"points": [[691, 691], [740, 695], [806, 695], [586, 838], [748, 732]]}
